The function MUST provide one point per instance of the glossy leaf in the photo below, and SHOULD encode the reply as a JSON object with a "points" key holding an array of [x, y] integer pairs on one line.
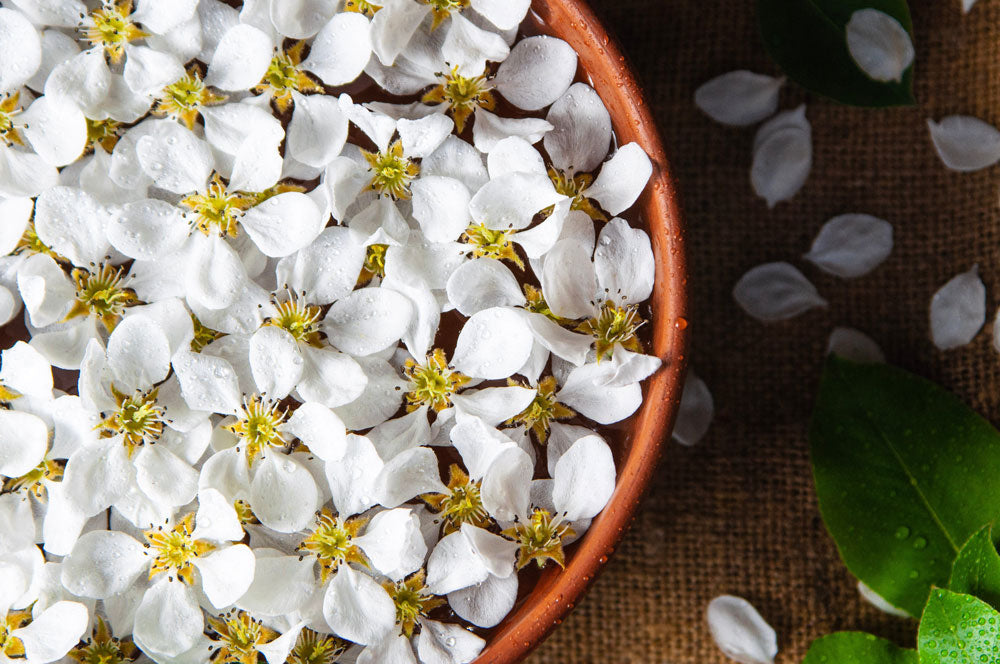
{"points": [[977, 568], [857, 648], [905, 473], [808, 39], [957, 629]]}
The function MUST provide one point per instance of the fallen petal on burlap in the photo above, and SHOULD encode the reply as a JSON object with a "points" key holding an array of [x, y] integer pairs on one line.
{"points": [[879, 45], [965, 143], [850, 245], [854, 345], [739, 98], [967, 5], [958, 310], [776, 291], [782, 156], [696, 411], [740, 632]]}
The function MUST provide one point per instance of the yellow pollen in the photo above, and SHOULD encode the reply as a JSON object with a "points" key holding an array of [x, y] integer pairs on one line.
{"points": [[544, 408], [100, 292], [102, 648], [218, 209], [391, 171], [9, 108], [31, 244], [111, 27], [240, 636], [258, 426], [299, 319], [332, 542], [11, 646], [462, 504], [183, 99], [540, 539], [374, 265], [284, 76], [175, 549], [315, 648], [412, 600], [442, 9], [432, 383], [138, 418], [611, 325], [462, 95], [488, 243], [104, 133]]}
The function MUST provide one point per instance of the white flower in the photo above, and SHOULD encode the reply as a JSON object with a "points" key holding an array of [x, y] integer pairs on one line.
{"points": [[49, 635]]}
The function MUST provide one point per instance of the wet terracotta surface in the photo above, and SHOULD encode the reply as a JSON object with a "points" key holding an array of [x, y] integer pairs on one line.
{"points": [[557, 590]]}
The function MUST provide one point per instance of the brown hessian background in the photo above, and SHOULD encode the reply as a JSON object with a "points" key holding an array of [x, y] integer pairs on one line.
{"points": [[737, 514]]}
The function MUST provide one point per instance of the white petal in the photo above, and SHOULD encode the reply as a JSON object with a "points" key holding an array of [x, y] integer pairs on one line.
{"points": [[489, 129], [423, 136], [480, 444], [776, 291], [341, 49], [9, 306], [965, 143], [852, 345], [493, 405], [226, 574], [851, 245], [216, 277], [584, 479], [148, 71], [453, 565], [381, 398], [457, 159], [161, 17], [394, 649], [967, 5], [624, 263], [469, 47], [570, 346], [368, 320], [283, 224], [227, 472], [70, 221], [327, 269], [216, 518], [241, 59], [18, 523], [739, 631], [283, 493], [496, 552], [352, 478], [357, 608], [300, 19], [879, 44], [493, 343], [483, 283], [53, 633], [164, 477], [103, 563], [782, 156], [879, 602], [168, 621], [24, 173], [56, 129], [441, 206], [330, 377], [257, 163], [176, 159], [958, 310], [622, 179], [148, 229], [275, 361], [393, 543], [582, 130], [281, 585], [507, 484], [21, 49], [84, 78], [537, 72], [65, 347], [513, 155], [568, 279], [512, 200], [408, 474], [15, 213], [318, 129], [23, 441], [229, 126], [441, 643], [138, 353], [319, 428], [98, 476], [602, 403], [207, 383], [25, 370], [739, 98], [392, 30], [697, 409], [57, 48], [487, 603]]}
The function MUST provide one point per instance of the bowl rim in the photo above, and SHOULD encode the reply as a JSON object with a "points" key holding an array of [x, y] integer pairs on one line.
{"points": [[610, 75]]}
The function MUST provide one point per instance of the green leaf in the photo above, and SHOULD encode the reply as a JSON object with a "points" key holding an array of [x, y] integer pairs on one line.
{"points": [[977, 568], [808, 39], [857, 648], [958, 629], [905, 473]]}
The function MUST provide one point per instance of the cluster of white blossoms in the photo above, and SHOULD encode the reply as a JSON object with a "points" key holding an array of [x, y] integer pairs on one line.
{"points": [[328, 369]]}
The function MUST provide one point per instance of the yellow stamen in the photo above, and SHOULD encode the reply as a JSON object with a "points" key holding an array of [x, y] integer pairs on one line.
{"points": [[175, 549], [138, 419], [31, 244], [299, 319], [573, 187], [111, 27], [104, 133], [102, 648], [391, 171], [284, 76], [488, 243], [462, 504], [315, 648], [431, 383], [11, 646], [258, 426], [544, 408], [240, 636], [365, 7], [203, 335], [332, 542], [49, 470], [102, 294], [183, 99], [442, 9], [412, 600], [218, 209], [10, 107], [374, 265], [462, 95], [611, 325], [540, 539]]}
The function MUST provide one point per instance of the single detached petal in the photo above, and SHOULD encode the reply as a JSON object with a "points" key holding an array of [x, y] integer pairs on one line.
{"points": [[226, 574], [537, 72], [357, 608], [582, 130], [368, 320], [965, 143], [23, 441], [584, 478], [56, 129], [241, 59], [696, 411], [782, 156], [54, 632], [168, 620], [851, 245], [493, 343], [739, 631], [958, 310], [776, 291], [853, 345], [283, 224], [148, 229], [341, 49], [739, 98], [103, 563], [207, 383], [879, 44], [283, 493], [622, 179]]}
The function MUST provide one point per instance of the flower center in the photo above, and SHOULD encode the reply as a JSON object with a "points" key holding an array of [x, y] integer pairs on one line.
{"points": [[283, 76], [258, 426], [442, 9], [362, 7], [543, 409], [244, 512], [614, 324], [240, 635], [31, 244], [315, 648], [111, 27], [540, 539], [432, 383], [462, 95], [10, 107], [391, 171], [573, 187], [489, 243], [462, 504], [102, 648], [218, 209], [11, 646], [175, 549], [101, 294], [374, 265], [104, 133], [203, 335], [34, 480], [138, 419], [332, 542], [412, 601], [298, 319], [184, 99]]}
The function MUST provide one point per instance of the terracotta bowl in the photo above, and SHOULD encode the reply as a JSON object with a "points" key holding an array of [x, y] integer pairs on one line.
{"points": [[642, 443]]}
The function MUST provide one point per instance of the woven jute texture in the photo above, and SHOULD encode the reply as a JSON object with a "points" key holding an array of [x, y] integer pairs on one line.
{"points": [[737, 513]]}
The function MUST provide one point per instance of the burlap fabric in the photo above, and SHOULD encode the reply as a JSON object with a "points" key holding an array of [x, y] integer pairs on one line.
{"points": [[737, 513]]}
